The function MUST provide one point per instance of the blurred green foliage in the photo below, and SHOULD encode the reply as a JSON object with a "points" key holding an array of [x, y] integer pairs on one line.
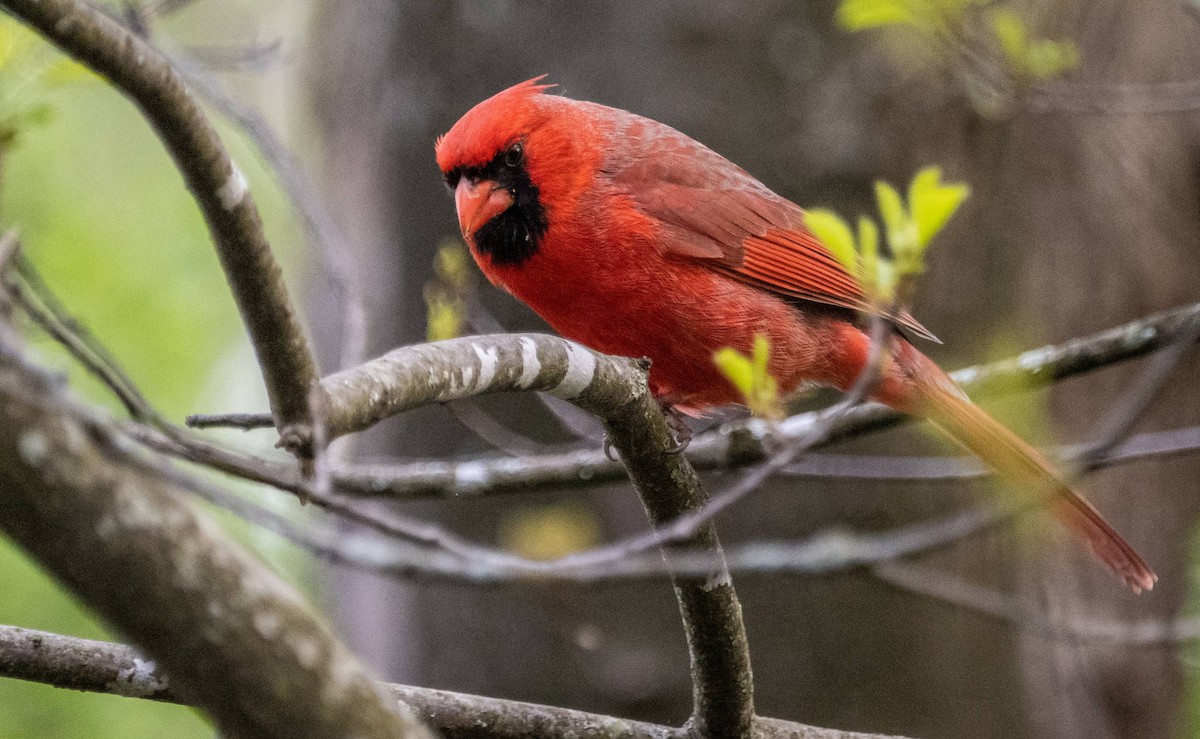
{"points": [[448, 294], [987, 47], [105, 217], [29, 70]]}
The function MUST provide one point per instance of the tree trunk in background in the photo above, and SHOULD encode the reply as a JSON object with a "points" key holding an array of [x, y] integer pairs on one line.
{"points": [[1077, 223], [1087, 221]]}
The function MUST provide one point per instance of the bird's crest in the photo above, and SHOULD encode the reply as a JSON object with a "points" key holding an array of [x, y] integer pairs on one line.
{"points": [[490, 125]]}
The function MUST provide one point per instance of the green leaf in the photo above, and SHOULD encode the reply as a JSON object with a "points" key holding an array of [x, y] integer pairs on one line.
{"points": [[868, 246], [891, 207], [834, 233], [933, 204], [885, 280], [1014, 39], [1047, 59], [760, 356], [861, 15], [737, 368], [751, 376]]}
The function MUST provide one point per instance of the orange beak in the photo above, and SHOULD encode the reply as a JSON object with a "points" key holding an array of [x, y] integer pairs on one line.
{"points": [[479, 202]]}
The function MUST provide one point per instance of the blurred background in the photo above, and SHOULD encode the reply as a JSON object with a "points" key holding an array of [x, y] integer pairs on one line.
{"points": [[1074, 122]]}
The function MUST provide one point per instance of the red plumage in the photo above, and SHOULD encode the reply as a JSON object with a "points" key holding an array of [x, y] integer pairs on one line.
{"points": [[634, 239]]}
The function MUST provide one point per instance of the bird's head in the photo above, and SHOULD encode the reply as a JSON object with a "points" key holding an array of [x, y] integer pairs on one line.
{"points": [[504, 161]]}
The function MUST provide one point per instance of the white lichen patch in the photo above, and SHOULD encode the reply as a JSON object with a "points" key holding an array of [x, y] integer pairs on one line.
{"points": [[1034, 359], [234, 190], [133, 511], [581, 370], [716, 580], [469, 475], [33, 448], [488, 360], [460, 386], [306, 648], [531, 366], [138, 681], [268, 624]]}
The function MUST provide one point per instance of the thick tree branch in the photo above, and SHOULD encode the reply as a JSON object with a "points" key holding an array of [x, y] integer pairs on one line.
{"points": [[116, 669], [141, 73], [240, 643]]}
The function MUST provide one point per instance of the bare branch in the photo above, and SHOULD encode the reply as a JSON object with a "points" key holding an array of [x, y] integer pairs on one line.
{"points": [[954, 591], [861, 467], [722, 684], [738, 445], [220, 189], [240, 643], [116, 669]]}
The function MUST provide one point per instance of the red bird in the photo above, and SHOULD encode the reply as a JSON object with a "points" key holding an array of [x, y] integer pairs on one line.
{"points": [[636, 240]]}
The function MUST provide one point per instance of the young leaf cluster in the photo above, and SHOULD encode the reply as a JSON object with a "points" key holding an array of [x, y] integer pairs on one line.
{"points": [[908, 227], [752, 377], [987, 46], [1033, 59]]}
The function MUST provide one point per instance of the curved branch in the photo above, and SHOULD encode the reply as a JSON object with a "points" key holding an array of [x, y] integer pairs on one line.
{"points": [[613, 388], [219, 188]]}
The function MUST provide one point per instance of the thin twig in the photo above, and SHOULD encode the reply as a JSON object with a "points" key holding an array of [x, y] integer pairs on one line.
{"points": [[1133, 405], [40, 303], [954, 591], [935, 469], [243, 421]]}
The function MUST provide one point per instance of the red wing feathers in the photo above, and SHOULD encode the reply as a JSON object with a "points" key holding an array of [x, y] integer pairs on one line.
{"points": [[713, 210]]}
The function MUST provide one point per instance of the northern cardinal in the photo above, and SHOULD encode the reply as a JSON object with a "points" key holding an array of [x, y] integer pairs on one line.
{"points": [[634, 239]]}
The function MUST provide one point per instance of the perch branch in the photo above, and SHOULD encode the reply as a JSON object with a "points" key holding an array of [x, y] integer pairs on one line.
{"points": [[742, 444]]}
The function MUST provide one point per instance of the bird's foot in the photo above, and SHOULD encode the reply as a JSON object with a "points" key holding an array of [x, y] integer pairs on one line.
{"points": [[681, 433], [608, 449]]}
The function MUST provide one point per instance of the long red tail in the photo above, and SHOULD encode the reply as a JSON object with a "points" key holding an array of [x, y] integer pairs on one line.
{"points": [[915, 385]]}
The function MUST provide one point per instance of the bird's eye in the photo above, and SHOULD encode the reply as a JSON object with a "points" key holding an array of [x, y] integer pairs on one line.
{"points": [[513, 156]]}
